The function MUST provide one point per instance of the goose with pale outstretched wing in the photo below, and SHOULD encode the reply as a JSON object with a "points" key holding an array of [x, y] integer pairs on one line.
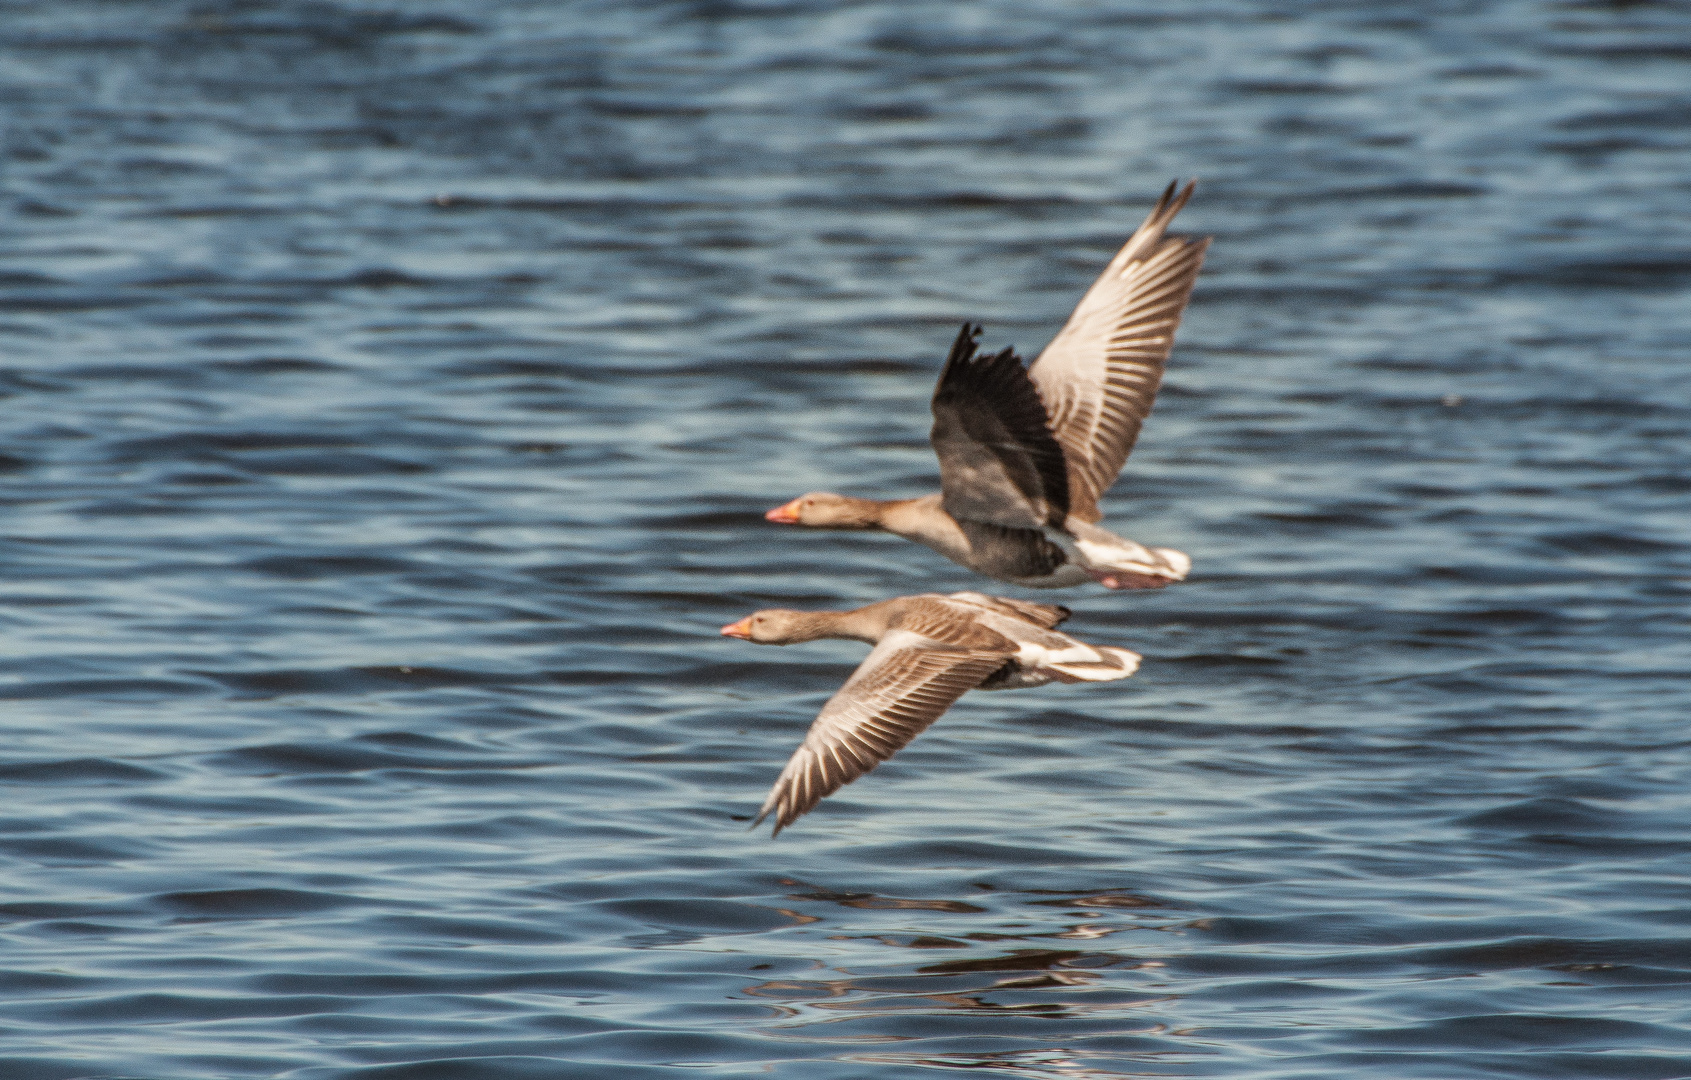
{"points": [[929, 651], [1026, 453]]}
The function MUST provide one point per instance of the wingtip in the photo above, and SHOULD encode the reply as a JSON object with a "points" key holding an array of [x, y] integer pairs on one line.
{"points": [[1147, 238], [778, 807], [1179, 202], [963, 349], [960, 357], [1173, 200]]}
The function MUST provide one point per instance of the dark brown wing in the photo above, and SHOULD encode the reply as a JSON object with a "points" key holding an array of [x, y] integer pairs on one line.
{"points": [[998, 460], [904, 685], [1100, 374]]}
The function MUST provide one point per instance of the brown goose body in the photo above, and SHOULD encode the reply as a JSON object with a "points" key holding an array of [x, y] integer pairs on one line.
{"points": [[1026, 453], [929, 651], [1045, 558]]}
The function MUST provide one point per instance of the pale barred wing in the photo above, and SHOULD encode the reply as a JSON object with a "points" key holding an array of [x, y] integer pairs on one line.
{"points": [[901, 687], [1099, 376]]}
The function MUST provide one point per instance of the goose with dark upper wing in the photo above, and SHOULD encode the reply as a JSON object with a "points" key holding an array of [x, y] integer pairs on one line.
{"points": [[1025, 453], [929, 651]]}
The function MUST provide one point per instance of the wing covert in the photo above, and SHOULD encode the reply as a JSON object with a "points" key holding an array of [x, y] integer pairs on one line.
{"points": [[1048, 616]]}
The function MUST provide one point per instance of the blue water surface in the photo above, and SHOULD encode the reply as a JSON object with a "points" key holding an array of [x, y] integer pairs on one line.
{"points": [[392, 393]]}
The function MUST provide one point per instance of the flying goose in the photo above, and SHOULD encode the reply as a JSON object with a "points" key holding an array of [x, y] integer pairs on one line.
{"points": [[1025, 453], [929, 651]]}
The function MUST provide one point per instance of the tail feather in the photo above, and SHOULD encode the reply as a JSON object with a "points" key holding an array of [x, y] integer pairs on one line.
{"points": [[1165, 563], [1101, 549], [1178, 561], [1117, 664]]}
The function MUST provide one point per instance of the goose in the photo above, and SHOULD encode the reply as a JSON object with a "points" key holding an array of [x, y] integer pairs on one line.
{"points": [[1025, 453], [929, 650]]}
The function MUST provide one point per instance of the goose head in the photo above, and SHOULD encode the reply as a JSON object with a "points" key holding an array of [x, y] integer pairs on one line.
{"points": [[777, 626], [825, 510]]}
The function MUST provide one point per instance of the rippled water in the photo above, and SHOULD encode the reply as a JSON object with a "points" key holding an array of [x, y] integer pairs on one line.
{"points": [[393, 394]]}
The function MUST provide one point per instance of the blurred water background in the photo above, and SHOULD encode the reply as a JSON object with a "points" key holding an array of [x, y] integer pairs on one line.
{"points": [[393, 392]]}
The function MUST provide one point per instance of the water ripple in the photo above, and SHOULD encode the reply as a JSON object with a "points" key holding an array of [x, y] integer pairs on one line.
{"points": [[393, 397]]}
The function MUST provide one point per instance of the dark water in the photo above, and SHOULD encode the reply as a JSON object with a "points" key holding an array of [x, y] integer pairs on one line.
{"points": [[393, 394]]}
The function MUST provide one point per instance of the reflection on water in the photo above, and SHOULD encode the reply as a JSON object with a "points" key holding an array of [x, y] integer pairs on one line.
{"points": [[1032, 1063], [393, 394]]}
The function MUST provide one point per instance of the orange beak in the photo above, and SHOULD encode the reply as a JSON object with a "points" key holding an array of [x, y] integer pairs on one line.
{"points": [[741, 629], [786, 514]]}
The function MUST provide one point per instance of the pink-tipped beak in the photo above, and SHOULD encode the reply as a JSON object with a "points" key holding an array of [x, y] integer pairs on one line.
{"points": [[785, 514], [741, 629]]}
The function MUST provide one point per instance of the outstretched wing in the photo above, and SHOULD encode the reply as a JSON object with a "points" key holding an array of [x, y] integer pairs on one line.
{"points": [[1099, 376], [901, 687], [998, 461]]}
